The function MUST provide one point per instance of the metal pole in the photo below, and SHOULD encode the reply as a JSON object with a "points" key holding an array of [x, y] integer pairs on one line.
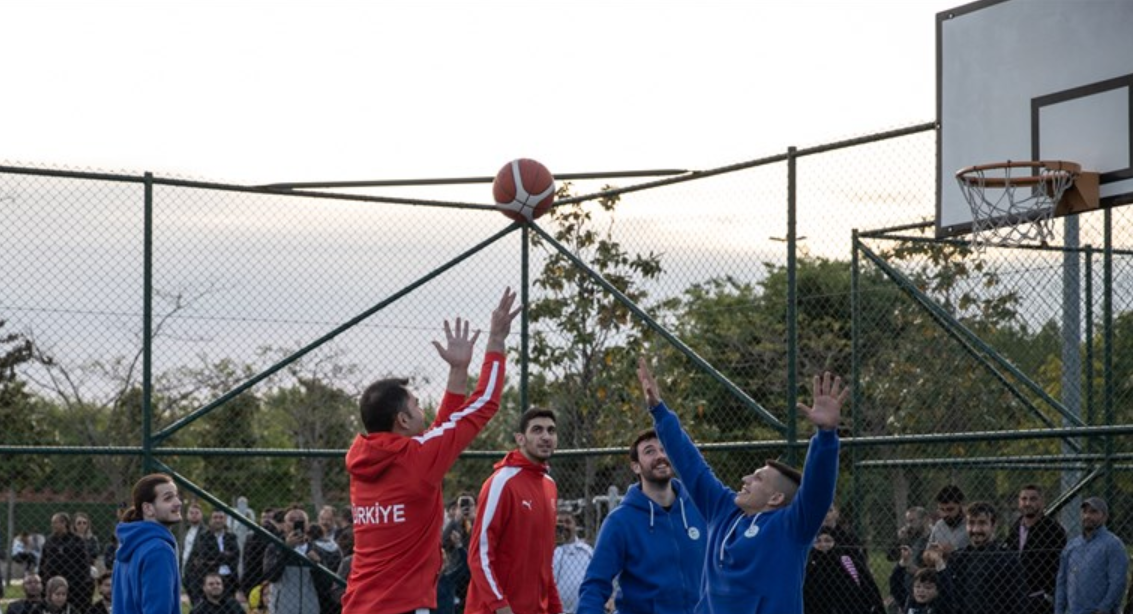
{"points": [[1107, 348], [792, 305], [855, 376], [524, 298], [147, 328], [1091, 416], [1071, 344]]}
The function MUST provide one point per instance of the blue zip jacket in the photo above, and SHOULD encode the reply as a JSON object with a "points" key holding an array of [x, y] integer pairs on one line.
{"points": [[656, 554], [146, 580], [756, 564]]}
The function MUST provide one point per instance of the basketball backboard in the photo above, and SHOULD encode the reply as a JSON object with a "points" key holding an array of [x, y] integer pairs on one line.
{"points": [[1034, 80]]}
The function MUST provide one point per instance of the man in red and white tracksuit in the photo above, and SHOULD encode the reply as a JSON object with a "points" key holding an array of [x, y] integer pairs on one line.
{"points": [[397, 467], [513, 539]]}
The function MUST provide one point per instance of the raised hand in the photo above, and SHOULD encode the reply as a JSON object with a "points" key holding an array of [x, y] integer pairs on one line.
{"points": [[829, 394], [648, 384], [457, 350], [502, 317]]}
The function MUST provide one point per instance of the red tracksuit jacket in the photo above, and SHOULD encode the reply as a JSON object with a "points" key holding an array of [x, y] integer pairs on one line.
{"points": [[513, 541], [395, 493]]}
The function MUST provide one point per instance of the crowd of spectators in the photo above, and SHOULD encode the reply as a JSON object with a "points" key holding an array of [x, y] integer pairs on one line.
{"points": [[959, 558]]}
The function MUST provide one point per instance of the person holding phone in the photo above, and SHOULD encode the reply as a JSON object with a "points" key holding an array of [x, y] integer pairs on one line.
{"points": [[292, 587]]}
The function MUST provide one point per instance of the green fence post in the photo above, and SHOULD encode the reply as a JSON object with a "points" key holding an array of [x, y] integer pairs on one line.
{"points": [[792, 307], [1107, 351], [855, 376], [524, 299], [147, 327]]}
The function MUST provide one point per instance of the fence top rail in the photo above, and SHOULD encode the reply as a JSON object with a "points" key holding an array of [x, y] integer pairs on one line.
{"points": [[878, 440]]}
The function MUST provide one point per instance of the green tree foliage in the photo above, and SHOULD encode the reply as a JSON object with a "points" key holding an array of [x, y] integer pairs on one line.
{"points": [[584, 343], [22, 414], [313, 407]]}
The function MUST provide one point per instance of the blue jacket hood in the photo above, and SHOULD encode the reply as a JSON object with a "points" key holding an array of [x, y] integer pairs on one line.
{"points": [[133, 535]]}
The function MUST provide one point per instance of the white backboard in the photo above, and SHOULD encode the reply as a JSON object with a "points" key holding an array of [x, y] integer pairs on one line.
{"points": [[1034, 80]]}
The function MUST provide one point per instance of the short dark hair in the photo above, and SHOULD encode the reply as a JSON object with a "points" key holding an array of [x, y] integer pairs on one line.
{"points": [[1034, 487], [531, 414], [927, 575], [981, 508], [950, 494], [381, 402], [645, 435], [788, 471]]}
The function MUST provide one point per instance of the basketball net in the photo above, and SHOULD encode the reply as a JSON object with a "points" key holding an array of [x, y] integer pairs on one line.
{"points": [[1014, 208]]}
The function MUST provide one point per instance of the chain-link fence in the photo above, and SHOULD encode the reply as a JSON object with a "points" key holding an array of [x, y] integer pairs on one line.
{"points": [[223, 333]]}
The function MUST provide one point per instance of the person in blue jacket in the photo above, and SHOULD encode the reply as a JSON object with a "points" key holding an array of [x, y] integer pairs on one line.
{"points": [[653, 543], [146, 578], [759, 537]]}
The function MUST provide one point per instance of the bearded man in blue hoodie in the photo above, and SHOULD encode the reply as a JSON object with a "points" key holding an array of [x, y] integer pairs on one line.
{"points": [[656, 521], [146, 578], [759, 537]]}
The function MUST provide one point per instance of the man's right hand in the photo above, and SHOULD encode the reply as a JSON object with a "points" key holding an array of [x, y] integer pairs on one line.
{"points": [[502, 318]]}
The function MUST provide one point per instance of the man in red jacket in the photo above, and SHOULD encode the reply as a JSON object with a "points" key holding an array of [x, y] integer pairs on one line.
{"points": [[513, 539], [397, 467]]}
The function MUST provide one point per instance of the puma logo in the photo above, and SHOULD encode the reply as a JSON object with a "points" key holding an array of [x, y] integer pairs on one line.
{"points": [[527, 504]]}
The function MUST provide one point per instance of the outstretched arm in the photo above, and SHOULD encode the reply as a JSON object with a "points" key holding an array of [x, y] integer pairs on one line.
{"points": [[820, 473], [454, 430], [706, 490]]}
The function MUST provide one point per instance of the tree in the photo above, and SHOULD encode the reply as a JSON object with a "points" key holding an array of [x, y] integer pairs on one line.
{"points": [[312, 405], [23, 415], [583, 342]]}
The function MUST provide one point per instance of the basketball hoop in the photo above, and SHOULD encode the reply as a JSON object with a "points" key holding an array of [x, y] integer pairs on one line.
{"points": [[1012, 207]]}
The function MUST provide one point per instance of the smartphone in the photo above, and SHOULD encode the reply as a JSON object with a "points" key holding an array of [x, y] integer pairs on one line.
{"points": [[300, 526]]}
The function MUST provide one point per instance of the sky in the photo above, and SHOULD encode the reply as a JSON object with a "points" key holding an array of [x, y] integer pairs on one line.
{"points": [[259, 92], [302, 91]]}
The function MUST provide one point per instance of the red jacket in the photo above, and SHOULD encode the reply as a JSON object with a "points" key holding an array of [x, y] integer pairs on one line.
{"points": [[513, 541], [395, 492]]}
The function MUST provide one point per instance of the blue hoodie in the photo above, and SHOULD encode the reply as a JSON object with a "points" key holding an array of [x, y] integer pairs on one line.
{"points": [[145, 570], [656, 554], [756, 564]]}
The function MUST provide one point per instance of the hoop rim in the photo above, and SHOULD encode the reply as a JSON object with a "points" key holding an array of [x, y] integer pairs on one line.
{"points": [[1053, 166]]}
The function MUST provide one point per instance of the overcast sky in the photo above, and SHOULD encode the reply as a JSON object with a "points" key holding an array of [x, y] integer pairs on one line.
{"points": [[256, 92], [259, 92]]}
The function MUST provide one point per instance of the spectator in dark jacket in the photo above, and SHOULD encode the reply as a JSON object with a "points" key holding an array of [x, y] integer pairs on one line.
{"points": [[1039, 540], [65, 554], [215, 551], [254, 549], [838, 580], [987, 577]]}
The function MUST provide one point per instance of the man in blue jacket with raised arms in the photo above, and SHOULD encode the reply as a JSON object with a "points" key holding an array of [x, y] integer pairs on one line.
{"points": [[759, 537]]}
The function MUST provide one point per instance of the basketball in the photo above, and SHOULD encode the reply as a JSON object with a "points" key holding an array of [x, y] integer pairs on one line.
{"points": [[524, 189]]}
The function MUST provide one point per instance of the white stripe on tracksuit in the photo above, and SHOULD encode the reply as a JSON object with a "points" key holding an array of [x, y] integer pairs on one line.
{"points": [[498, 481]]}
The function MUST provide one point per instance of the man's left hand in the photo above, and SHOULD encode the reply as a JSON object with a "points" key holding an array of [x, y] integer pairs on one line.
{"points": [[829, 394]]}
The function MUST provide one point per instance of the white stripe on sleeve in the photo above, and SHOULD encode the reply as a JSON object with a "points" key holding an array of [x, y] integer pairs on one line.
{"points": [[437, 431]]}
